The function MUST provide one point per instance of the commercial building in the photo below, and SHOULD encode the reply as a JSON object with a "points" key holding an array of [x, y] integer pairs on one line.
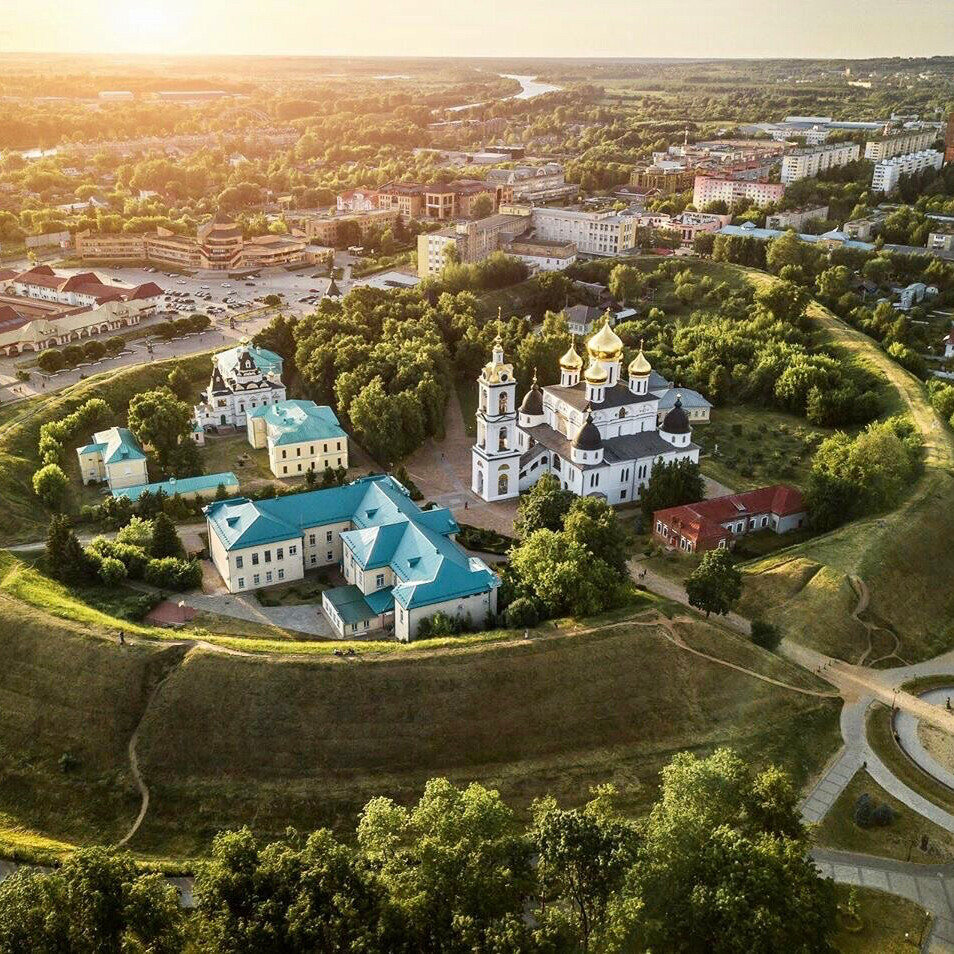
{"points": [[452, 200], [540, 255], [593, 233], [796, 218], [667, 177], [534, 183], [887, 173], [406, 198], [718, 522], [401, 564], [711, 188], [473, 241], [299, 435], [808, 163], [324, 228], [900, 144], [115, 457], [218, 246]]}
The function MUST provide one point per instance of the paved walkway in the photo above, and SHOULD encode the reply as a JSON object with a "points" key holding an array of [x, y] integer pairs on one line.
{"points": [[906, 725], [930, 886]]}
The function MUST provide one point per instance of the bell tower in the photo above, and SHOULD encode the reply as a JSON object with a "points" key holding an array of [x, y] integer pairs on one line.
{"points": [[495, 458]]}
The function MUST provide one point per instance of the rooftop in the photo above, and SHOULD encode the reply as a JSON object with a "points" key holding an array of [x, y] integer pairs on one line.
{"points": [[291, 422], [181, 485]]}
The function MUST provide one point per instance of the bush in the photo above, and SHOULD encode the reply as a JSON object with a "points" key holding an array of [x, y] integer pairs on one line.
{"points": [[51, 361], [111, 571], [72, 355], [94, 350], [522, 613], [883, 815], [864, 809], [170, 573], [765, 634], [115, 345]]}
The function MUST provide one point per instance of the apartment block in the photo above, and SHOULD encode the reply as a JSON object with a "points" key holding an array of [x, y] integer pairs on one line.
{"points": [[322, 227], [707, 189], [808, 163], [900, 144], [796, 218], [473, 240], [593, 233], [888, 172]]}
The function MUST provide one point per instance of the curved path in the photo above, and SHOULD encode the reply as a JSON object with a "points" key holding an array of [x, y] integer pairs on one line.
{"points": [[906, 726]]}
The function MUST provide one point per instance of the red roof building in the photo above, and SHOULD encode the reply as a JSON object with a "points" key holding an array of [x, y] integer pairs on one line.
{"points": [[718, 522]]}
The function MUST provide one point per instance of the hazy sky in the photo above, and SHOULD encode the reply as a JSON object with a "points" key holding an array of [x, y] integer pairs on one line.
{"points": [[725, 28]]}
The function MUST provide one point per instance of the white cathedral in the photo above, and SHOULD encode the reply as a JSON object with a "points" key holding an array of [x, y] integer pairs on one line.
{"points": [[598, 435]]}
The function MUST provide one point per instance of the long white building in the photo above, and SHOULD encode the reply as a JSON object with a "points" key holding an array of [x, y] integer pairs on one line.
{"points": [[808, 163], [707, 189], [595, 233], [887, 173], [900, 144]]}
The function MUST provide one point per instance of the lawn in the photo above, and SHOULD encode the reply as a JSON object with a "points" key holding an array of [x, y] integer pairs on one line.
{"points": [[467, 395], [232, 452], [901, 840], [304, 591], [889, 924]]}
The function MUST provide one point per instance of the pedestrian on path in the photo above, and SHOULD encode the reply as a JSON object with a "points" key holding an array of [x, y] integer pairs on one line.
{"points": [[122, 638]]}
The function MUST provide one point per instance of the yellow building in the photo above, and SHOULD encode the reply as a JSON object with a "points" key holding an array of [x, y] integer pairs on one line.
{"points": [[299, 435]]}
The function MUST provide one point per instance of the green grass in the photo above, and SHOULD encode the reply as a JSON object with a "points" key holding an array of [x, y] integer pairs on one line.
{"points": [[305, 591], [901, 840], [889, 924], [467, 395], [222, 454]]}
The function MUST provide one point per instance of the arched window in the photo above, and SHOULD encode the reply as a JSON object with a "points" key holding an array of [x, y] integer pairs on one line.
{"points": [[502, 439], [503, 483], [622, 412], [502, 404]]}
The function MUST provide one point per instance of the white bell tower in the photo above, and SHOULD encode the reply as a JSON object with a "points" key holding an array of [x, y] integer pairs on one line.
{"points": [[495, 459]]}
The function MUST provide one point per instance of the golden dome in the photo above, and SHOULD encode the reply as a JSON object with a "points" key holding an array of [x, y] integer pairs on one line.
{"points": [[596, 374], [571, 361], [639, 366], [605, 344]]}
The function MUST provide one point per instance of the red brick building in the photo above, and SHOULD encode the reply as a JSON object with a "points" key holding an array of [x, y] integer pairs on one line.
{"points": [[718, 522]]}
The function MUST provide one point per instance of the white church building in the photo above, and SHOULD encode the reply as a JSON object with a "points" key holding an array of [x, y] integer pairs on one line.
{"points": [[600, 435]]}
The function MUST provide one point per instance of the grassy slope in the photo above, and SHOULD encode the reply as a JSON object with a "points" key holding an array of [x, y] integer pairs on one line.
{"points": [[24, 516], [887, 922], [900, 555]]}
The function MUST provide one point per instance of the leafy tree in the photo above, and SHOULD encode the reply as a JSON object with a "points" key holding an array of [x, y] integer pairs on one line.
{"points": [[785, 301], [543, 506], [94, 350], [159, 418], [51, 361], [169, 573], [115, 344], [51, 485], [593, 523], [625, 283], [716, 584], [165, 539], [72, 355], [765, 634], [179, 384], [671, 485], [482, 206], [111, 571], [279, 336]]}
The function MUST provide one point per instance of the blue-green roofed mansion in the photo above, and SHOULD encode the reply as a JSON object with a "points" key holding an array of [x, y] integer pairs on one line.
{"points": [[401, 564]]}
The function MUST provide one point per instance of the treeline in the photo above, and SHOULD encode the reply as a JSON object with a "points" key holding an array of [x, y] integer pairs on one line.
{"points": [[720, 865]]}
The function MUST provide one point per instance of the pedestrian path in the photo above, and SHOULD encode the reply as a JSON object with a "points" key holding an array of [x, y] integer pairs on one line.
{"points": [[833, 782], [906, 726]]}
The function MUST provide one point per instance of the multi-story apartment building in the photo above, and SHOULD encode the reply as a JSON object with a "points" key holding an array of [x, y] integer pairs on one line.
{"points": [[667, 177], [473, 240], [322, 227], [900, 144], [711, 188], [796, 218], [808, 163], [542, 256], [888, 172], [593, 233], [533, 183]]}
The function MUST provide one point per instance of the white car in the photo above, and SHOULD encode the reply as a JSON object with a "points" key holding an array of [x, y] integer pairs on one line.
{"points": [[180, 281], [226, 285]]}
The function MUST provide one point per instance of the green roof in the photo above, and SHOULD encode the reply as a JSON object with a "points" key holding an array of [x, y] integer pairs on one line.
{"points": [[349, 603], [117, 444], [182, 485], [292, 422]]}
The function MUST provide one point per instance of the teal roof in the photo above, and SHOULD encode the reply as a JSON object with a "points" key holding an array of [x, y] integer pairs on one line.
{"points": [[349, 604], [388, 529], [182, 485], [91, 449], [268, 362], [291, 422], [118, 444]]}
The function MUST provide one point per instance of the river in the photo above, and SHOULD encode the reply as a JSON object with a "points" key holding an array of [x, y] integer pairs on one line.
{"points": [[530, 87]]}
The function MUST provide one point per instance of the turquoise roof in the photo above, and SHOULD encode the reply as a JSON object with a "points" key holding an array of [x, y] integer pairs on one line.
{"points": [[118, 444], [388, 529], [91, 449], [291, 422], [350, 604], [752, 231], [182, 485], [266, 361]]}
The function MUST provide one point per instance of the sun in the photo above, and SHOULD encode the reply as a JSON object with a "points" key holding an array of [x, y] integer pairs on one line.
{"points": [[146, 25]]}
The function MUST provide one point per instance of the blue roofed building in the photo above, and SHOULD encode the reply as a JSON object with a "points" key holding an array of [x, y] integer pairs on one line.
{"points": [[113, 456], [299, 435], [186, 487], [401, 564]]}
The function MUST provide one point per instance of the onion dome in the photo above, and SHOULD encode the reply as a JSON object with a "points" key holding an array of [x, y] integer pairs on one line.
{"points": [[639, 367], [571, 361], [588, 437], [596, 374], [532, 402], [676, 421], [605, 344]]}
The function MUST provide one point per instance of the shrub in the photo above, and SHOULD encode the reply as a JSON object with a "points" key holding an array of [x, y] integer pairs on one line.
{"points": [[522, 613], [115, 345], [170, 573], [111, 571], [50, 484], [864, 810], [72, 355], [765, 634], [882, 816], [50, 361], [94, 350]]}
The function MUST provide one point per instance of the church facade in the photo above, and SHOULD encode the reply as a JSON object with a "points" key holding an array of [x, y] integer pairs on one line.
{"points": [[598, 433]]}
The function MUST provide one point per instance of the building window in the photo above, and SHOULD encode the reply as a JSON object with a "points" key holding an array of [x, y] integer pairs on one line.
{"points": [[256, 579], [268, 577], [280, 553], [327, 536], [254, 559], [292, 550], [241, 582], [281, 574], [284, 454], [314, 559], [239, 562], [268, 556], [330, 556], [379, 581]]}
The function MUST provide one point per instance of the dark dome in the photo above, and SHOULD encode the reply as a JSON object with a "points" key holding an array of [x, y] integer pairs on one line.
{"points": [[588, 438], [676, 421], [532, 402]]}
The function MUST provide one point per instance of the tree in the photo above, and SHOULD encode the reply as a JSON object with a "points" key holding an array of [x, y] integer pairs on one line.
{"points": [[169, 573], [765, 634], [159, 418], [543, 506], [64, 554], [583, 856], [592, 523], [785, 301], [481, 207], [165, 539], [51, 361], [716, 584], [72, 355], [179, 383], [625, 283], [51, 485], [671, 485], [94, 350], [115, 345]]}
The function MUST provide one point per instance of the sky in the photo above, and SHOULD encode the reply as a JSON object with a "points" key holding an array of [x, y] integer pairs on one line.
{"points": [[636, 28]]}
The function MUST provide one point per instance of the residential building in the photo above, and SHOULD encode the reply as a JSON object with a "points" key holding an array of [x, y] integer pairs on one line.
{"points": [[888, 172], [540, 255], [718, 522], [188, 488], [299, 435], [401, 564], [357, 200], [40, 309], [474, 241], [862, 229], [322, 228], [584, 319], [667, 177], [593, 233], [243, 379], [458, 199], [406, 198], [796, 218], [534, 183], [113, 456], [714, 188], [597, 435], [900, 144], [941, 240], [808, 163]]}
